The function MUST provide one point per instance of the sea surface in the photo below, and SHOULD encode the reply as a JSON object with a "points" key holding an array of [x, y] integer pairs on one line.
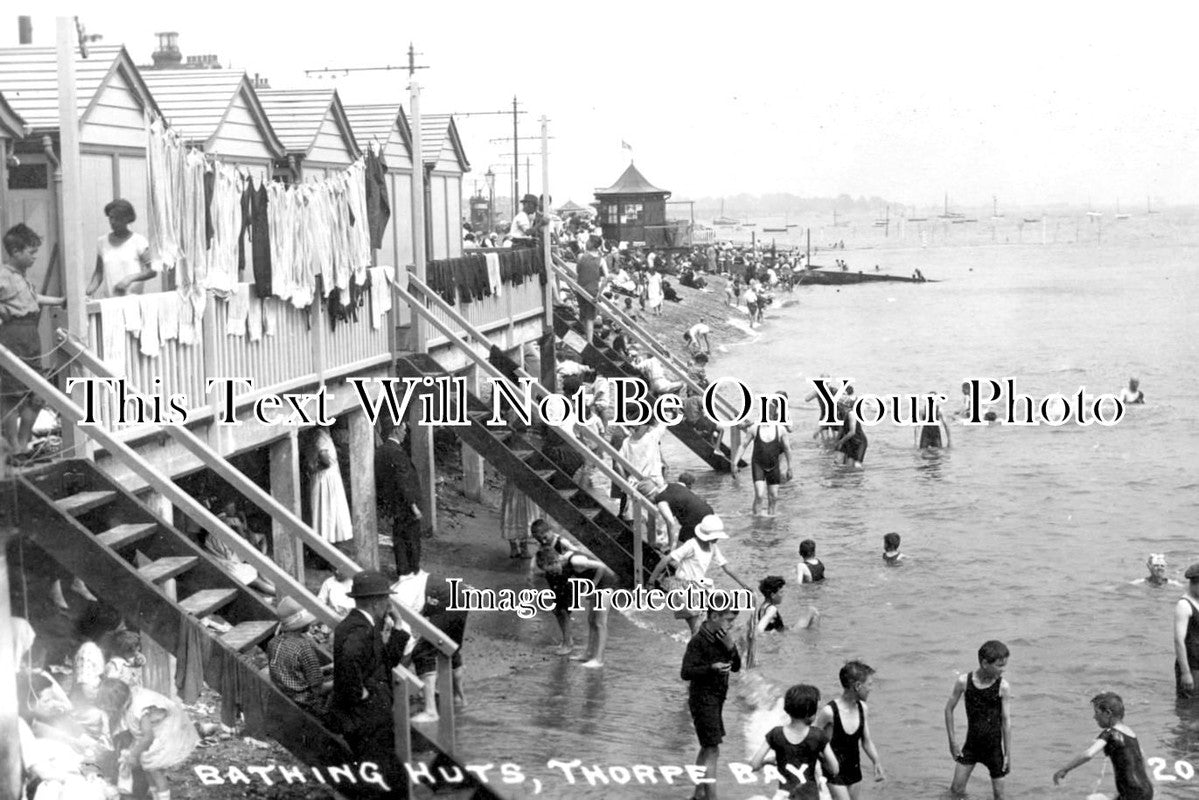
{"points": [[1028, 535]]}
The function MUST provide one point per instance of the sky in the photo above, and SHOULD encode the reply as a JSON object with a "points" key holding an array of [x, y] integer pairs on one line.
{"points": [[1032, 103]]}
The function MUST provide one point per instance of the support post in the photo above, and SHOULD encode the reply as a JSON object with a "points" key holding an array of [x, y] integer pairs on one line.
{"points": [[10, 757], [472, 462], [285, 487], [638, 535], [71, 219], [419, 326], [363, 509], [426, 470]]}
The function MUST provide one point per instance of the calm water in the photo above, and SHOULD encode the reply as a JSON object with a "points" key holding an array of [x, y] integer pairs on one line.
{"points": [[1030, 536]]}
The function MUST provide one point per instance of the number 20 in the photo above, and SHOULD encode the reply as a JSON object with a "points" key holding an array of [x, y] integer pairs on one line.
{"points": [[1182, 769]]}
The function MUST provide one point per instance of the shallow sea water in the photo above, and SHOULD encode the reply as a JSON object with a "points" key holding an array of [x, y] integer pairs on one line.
{"points": [[1028, 535]]}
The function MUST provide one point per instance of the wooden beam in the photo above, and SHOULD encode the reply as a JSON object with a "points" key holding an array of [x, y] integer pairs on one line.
{"points": [[363, 509], [10, 757], [285, 488]]}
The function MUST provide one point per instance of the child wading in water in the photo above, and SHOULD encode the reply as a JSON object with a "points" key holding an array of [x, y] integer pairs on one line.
{"points": [[988, 720], [1121, 745], [795, 748], [837, 718], [891, 555]]}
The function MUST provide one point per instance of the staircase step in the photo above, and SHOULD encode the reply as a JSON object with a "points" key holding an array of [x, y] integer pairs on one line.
{"points": [[545, 474], [205, 601], [246, 635], [84, 502], [124, 535], [522, 454], [569, 494], [167, 568], [590, 513]]}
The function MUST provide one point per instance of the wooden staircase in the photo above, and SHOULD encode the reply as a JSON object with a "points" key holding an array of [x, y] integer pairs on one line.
{"points": [[610, 364], [165, 585], [539, 475]]}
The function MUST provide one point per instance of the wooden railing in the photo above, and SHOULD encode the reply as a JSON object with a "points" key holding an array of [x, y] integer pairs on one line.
{"points": [[303, 350], [491, 315]]}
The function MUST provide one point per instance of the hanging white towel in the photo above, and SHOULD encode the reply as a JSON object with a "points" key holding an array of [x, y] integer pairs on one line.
{"points": [[270, 316], [493, 274], [151, 344], [237, 310], [168, 316], [112, 331], [133, 312], [254, 319], [188, 333], [380, 294]]}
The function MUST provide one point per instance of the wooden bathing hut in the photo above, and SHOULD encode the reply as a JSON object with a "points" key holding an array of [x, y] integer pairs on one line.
{"points": [[12, 128], [385, 127], [219, 112], [113, 101], [445, 164], [315, 132], [634, 210]]}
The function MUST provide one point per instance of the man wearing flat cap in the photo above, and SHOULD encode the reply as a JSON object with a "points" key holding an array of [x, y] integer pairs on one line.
{"points": [[366, 649], [527, 224], [1186, 637]]}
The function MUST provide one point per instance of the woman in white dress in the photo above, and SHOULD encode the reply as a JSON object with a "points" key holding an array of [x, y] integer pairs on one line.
{"points": [[653, 292], [122, 256], [330, 510]]}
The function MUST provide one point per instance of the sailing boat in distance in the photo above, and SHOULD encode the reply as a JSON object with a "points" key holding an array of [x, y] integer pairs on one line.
{"points": [[722, 219], [1118, 214]]}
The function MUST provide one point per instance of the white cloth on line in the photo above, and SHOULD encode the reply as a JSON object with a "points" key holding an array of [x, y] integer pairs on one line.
{"points": [[380, 294], [237, 310], [270, 316], [493, 273], [168, 316], [188, 332], [254, 319], [133, 313], [151, 343], [112, 332]]}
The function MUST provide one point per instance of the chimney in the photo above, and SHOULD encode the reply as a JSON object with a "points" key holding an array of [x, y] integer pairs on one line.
{"points": [[25, 30], [167, 56]]}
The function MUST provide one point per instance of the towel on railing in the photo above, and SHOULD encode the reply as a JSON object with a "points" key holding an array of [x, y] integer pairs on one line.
{"points": [[254, 319], [168, 316], [133, 313], [493, 273], [188, 334], [151, 343], [381, 278], [112, 333], [237, 310], [270, 316]]}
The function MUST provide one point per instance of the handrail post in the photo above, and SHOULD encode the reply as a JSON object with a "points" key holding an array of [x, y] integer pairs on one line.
{"points": [[445, 705], [638, 536]]}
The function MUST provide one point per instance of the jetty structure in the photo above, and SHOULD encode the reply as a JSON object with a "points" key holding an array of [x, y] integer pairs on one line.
{"points": [[405, 301]]}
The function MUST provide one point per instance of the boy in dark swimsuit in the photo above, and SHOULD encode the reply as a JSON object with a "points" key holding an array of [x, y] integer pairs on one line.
{"points": [[1121, 745], [891, 555], [842, 714], [988, 720], [795, 748], [811, 568]]}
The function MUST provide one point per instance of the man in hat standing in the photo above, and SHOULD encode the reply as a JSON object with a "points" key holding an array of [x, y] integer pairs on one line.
{"points": [[1186, 637], [366, 648], [398, 489], [524, 230]]}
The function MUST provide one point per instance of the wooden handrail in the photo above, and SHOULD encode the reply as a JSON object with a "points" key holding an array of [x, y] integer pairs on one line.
{"points": [[643, 337], [262, 499], [569, 436]]}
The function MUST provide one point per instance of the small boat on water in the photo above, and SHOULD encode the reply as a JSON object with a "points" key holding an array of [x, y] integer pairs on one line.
{"points": [[774, 230], [722, 219], [1031, 221], [792, 224], [818, 276]]}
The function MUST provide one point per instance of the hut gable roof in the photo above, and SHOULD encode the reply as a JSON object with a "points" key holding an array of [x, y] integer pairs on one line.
{"points": [[570, 206], [31, 81], [631, 182], [437, 133], [298, 115], [11, 124], [197, 103], [383, 124]]}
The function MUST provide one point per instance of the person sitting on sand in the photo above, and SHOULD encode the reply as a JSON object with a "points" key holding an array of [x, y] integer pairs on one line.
{"points": [[1157, 572], [1133, 395]]}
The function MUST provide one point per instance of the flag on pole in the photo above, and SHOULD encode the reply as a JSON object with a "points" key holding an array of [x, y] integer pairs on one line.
{"points": [[626, 145]]}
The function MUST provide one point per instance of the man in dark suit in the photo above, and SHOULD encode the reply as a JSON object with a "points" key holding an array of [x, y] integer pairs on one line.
{"points": [[366, 648], [397, 487]]}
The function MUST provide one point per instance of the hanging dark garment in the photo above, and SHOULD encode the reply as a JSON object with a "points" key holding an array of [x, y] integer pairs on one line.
{"points": [[378, 208], [247, 210], [260, 238], [209, 187]]}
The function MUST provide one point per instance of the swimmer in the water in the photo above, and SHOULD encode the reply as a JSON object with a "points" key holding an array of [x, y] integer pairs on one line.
{"points": [[932, 432], [769, 616], [811, 568], [1133, 395], [1157, 572], [823, 432], [964, 409], [891, 555]]}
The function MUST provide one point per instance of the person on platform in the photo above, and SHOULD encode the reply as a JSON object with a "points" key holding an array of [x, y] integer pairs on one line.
{"points": [[593, 279], [20, 316], [366, 648], [123, 256], [398, 492]]}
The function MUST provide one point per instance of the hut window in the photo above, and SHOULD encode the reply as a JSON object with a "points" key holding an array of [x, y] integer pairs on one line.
{"points": [[630, 212], [29, 176]]}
